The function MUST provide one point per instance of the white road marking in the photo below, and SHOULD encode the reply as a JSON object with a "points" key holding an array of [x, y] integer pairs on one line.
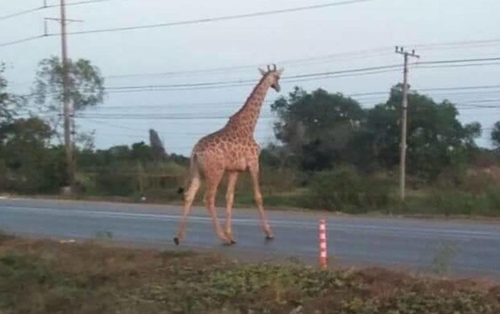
{"points": [[252, 221]]}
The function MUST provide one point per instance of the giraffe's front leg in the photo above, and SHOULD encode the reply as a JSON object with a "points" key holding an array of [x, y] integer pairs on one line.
{"points": [[254, 172], [231, 185]]}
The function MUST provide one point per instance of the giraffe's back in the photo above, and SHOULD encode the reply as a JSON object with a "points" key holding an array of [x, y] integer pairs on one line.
{"points": [[225, 150]]}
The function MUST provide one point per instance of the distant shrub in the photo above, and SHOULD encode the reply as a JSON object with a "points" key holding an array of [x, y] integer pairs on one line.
{"points": [[472, 180], [114, 183], [450, 202], [275, 181], [477, 181], [344, 190], [493, 196]]}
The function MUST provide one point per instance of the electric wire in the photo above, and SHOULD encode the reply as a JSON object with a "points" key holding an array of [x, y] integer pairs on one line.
{"points": [[217, 19]]}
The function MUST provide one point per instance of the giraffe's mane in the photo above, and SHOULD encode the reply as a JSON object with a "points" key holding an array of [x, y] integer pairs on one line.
{"points": [[250, 95]]}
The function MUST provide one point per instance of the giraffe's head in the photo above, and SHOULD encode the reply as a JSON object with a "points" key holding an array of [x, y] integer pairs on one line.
{"points": [[273, 76]]}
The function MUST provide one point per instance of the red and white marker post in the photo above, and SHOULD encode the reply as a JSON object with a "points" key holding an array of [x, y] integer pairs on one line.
{"points": [[323, 255]]}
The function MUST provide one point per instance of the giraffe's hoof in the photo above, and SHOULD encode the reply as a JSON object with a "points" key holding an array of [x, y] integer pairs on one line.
{"points": [[228, 242], [176, 240], [269, 237], [229, 237]]}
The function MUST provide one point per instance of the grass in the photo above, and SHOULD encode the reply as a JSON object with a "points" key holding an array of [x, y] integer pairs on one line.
{"points": [[50, 277]]}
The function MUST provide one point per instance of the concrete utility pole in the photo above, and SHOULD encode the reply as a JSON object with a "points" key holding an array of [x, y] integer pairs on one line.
{"points": [[66, 111], [402, 160], [67, 108], [66, 100]]}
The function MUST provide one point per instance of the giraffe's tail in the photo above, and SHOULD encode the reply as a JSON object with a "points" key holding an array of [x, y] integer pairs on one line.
{"points": [[193, 170]]}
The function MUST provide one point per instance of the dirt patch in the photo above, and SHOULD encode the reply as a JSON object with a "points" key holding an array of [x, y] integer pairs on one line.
{"points": [[52, 277]]}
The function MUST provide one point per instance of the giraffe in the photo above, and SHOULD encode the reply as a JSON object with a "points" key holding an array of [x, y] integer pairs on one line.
{"points": [[231, 149]]}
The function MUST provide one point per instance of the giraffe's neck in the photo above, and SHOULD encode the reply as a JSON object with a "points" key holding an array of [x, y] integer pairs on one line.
{"points": [[245, 120]]}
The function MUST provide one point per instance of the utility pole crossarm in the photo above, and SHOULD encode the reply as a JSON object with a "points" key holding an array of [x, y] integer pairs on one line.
{"points": [[402, 171]]}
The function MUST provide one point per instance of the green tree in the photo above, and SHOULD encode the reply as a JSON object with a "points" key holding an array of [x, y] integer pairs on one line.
{"points": [[29, 165], [495, 134], [435, 135], [142, 153], [315, 128], [86, 89], [321, 129], [9, 104]]}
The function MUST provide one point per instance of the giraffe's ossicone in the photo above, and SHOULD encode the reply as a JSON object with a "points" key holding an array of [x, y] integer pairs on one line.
{"points": [[231, 149]]}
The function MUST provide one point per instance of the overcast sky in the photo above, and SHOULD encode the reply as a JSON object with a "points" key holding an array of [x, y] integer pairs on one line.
{"points": [[257, 41]]}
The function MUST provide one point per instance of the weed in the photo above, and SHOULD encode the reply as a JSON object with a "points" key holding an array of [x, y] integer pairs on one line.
{"points": [[103, 235], [441, 261], [48, 277], [4, 236]]}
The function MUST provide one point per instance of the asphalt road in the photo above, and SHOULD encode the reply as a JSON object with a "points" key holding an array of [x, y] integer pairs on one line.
{"points": [[414, 244]]}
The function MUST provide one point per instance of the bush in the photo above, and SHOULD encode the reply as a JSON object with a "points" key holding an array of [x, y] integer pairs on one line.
{"points": [[344, 190], [493, 196], [113, 182], [449, 202]]}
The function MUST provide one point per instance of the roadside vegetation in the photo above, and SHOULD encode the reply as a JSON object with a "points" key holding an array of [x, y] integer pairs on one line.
{"points": [[330, 153], [51, 277]]}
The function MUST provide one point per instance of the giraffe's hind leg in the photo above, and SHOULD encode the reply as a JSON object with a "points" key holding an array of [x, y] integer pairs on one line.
{"points": [[189, 196], [213, 178], [231, 185]]}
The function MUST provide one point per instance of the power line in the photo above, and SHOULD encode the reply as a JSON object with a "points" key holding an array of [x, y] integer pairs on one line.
{"points": [[99, 121], [454, 65], [23, 40], [460, 88], [344, 55], [430, 89], [32, 10], [248, 81], [362, 71], [81, 2], [220, 18], [486, 104], [16, 14], [475, 107], [285, 62], [481, 103], [444, 90], [229, 17], [158, 117], [225, 105], [289, 78], [459, 61], [144, 138], [451, 90], [453, 44], [302, 77], [188, 85], [293, 78], [24, 12], [169, 134], [113, 125]]}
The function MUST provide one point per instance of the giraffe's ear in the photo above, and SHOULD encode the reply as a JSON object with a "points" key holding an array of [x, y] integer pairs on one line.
{"points": [[280, 71], [262, 71]]}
